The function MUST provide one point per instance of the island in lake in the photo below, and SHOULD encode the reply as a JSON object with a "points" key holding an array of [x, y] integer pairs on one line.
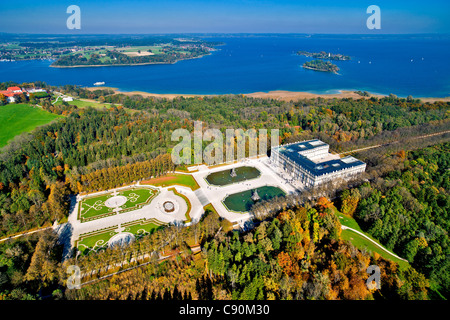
{"points": [[324, 55], [319, 65]]}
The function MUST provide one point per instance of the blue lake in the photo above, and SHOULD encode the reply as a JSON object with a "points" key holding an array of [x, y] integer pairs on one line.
{"points": [[403, 65]]}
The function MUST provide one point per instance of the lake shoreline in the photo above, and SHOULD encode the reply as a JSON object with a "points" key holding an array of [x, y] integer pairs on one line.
{"points": [[283, 95]]}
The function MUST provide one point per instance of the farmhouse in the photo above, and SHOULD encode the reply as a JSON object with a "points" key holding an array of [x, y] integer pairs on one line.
{"points": [[11, 92], [67, 99], [35, 90], [310, 163]]}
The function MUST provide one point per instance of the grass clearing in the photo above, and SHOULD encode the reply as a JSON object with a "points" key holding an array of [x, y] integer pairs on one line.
{"points": [[360, 242], [18, 118], [85, 103]]}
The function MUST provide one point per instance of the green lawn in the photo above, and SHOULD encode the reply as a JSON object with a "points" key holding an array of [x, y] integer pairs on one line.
{"points": [[143, 227], [18, 118], [85, 104], [361, 242], [99, 239], [173, 179], [94, 207], [155, 49], [348, 221], [95, 240], [188, 203], [137, 197]]}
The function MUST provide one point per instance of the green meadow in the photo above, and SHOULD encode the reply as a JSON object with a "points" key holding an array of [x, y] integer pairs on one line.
{"points": [[85, 104], [18, 118]]}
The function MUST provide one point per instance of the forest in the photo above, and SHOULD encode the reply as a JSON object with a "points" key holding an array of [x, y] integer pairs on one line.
{"points": [[132, 138], [407, 210], [319, 65], [403, 202], [323, 55], [300, 248]]}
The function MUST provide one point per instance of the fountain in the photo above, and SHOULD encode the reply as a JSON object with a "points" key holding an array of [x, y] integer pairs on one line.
{"points": [[121, 239], [233, 173], [255, 196], [168, 206]]}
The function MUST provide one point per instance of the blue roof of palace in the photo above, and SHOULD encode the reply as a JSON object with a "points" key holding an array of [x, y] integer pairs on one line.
{"points": [[292, 152]]}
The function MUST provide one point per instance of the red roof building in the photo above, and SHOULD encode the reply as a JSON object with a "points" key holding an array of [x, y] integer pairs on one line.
{"points": [[11, 91]]}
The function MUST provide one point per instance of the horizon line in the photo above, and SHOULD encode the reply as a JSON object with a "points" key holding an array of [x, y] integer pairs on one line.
{"points": [[224, 33]]}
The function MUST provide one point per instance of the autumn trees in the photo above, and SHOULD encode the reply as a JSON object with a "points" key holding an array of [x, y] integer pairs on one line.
{"points": [[88, 150], [408, 212], [89, 146], [30, 267], [299, 255]]}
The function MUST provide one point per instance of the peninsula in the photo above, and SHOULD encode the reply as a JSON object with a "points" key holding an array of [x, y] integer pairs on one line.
{"points": [[137, 55], [84, 51]]}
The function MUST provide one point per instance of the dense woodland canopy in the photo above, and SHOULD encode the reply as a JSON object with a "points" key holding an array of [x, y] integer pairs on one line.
{"points": [[298, 254], [404, 205], [78, 152], [408, 211]]}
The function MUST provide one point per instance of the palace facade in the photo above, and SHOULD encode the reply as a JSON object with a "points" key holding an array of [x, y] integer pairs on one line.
{"points": [[310, 163]]}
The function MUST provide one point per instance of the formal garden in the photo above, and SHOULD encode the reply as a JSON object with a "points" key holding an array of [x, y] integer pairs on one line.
{"points": [[100, 239], [104, 205]]}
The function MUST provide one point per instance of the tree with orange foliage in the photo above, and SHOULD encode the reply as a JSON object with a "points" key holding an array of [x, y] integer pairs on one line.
{"points": [[3, 99], [401, 154], [323, 203], [285, 262], [284, 216], [349, 201]]}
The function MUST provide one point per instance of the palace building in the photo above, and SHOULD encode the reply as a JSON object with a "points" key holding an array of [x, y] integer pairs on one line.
{"points": [[310, 163]]}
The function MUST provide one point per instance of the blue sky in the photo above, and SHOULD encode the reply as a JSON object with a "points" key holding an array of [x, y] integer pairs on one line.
{"points": [[225, 16]]}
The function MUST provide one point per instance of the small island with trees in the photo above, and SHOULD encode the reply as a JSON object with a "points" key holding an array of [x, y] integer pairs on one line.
{"points": [[319, 65], [324, 55]]}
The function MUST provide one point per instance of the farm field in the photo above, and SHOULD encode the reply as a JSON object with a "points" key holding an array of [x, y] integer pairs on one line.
{"points": [[19, 118]]}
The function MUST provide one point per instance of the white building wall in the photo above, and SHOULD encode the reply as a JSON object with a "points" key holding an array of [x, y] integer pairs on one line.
{"points": [[297, 172]]}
